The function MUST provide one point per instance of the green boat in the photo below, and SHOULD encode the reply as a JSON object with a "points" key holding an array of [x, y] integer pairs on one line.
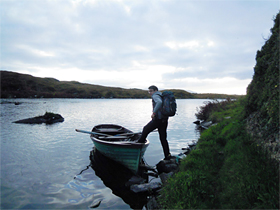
{"points": [[119, 144]]}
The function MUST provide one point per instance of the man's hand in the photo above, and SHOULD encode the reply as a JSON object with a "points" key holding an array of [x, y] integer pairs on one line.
{"points": [[153, 115]]}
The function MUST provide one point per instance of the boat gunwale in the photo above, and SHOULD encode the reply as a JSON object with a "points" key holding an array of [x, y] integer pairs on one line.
{"points": [[116, 143], [129, 144]]}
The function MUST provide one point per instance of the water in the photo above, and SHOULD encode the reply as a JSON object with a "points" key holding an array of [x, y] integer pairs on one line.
{"points": [[39, 162]]}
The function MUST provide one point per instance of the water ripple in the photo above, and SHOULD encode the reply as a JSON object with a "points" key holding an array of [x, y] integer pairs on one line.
{"points": [[39, 162]]}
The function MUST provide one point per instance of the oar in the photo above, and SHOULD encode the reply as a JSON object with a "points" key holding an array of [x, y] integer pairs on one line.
{"points": [[123, 134], [82, 131], [102, 134]]}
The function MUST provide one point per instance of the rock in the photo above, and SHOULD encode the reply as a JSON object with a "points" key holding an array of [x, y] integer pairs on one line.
{"points": [[180, 156], [188, 151], [166, 166], [147, 187], [146, 167], [165, 176], [154, 174], [192, 145], [48, 118], [152, 203], [203, 125], [9, 102], [95, 204], [206, 125], [135, 180]]}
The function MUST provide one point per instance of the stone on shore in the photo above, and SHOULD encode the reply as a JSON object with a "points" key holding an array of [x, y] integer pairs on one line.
{"points": [[147, 187], [166, 166], [135, 180], [152, 203], [165, 176]]}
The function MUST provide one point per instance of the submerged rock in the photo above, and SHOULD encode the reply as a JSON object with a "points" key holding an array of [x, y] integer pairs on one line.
{"points": [[147, 187], [48, 118], [10, 102]]}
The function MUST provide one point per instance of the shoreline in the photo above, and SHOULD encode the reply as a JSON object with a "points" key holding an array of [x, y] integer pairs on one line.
{"points": [[227, 170]]}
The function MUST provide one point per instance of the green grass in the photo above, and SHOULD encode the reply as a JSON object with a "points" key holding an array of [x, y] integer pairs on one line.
{"points": [[227, 170]]}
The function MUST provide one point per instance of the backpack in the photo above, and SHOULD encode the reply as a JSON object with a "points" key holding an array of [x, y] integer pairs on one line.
{"points": [[169, 105]]}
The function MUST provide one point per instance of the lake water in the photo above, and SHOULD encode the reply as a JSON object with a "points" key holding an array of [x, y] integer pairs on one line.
{"points": [[40, 164]]}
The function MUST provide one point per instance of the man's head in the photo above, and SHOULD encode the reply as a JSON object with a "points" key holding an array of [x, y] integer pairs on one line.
{"points": [[152, 90]]}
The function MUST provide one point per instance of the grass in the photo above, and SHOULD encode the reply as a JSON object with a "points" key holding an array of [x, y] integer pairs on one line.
{"points": [[227, 170]]}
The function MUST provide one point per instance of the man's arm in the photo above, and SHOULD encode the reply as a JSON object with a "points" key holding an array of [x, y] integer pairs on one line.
{"points": [[158, 100]]}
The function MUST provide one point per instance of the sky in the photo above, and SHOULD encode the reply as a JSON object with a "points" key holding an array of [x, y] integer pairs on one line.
{"points": [[202, 46]]}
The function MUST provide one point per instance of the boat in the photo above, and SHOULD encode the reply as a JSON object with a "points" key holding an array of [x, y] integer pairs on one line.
{"points": [[119, 144], [118, 178]]}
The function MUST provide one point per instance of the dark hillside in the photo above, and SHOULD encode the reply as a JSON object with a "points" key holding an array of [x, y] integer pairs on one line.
{"points": [[16, 85], [262, 106]]}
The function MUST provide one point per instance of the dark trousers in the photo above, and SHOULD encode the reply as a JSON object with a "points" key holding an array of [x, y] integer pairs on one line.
{"points": [[161, 125]]}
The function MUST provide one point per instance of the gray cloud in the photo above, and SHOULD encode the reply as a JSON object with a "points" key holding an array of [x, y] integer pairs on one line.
{"points": [[193, 39]]}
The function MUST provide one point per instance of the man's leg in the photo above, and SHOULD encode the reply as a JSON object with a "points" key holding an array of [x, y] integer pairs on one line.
{"points": [[163, 137], [152, 125]]}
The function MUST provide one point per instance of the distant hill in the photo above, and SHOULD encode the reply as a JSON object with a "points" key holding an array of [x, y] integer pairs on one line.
{"points": [[16, 85]]}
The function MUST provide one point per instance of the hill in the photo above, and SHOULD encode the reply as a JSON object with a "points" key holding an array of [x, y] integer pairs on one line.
{"points": [[262, 104], [16, 85]]}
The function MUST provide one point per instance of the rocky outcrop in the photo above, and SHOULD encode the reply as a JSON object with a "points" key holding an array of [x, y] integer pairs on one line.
{"points": [[48, 118]]}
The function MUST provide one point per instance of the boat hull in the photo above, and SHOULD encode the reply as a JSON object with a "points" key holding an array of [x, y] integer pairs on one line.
{"points": [[124, 151]]}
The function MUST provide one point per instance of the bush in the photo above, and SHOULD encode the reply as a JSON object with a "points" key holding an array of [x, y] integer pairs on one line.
{"points": [[204, 111]]}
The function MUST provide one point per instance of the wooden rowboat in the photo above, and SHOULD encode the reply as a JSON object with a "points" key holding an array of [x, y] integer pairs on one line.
{"points": [[119, 144]]}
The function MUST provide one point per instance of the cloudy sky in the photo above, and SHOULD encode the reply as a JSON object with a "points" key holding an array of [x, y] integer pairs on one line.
{"points": [[204, 46]]}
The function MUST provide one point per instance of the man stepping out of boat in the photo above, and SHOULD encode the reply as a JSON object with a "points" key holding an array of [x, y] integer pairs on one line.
{"points": [[158, 121]]}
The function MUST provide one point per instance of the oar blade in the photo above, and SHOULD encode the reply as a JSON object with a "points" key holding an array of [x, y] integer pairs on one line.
{"points": [[89, 132]]}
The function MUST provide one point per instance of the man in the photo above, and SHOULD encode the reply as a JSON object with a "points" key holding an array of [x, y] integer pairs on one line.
{"points": [[158, 121]]}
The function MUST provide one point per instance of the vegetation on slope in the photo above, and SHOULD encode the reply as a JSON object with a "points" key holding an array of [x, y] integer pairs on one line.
{"points": [[262, 107], [227, 170]]}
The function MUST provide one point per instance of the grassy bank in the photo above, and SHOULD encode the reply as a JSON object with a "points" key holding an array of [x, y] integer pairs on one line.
{"points": [[227, 170]]}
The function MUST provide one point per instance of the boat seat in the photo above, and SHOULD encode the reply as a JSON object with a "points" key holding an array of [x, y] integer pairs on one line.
{"points": [[108, 130], [112, 137]]}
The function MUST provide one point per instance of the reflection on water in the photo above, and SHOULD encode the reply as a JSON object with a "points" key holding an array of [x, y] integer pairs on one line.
{"points": [[39, 162], [115, 176]]}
